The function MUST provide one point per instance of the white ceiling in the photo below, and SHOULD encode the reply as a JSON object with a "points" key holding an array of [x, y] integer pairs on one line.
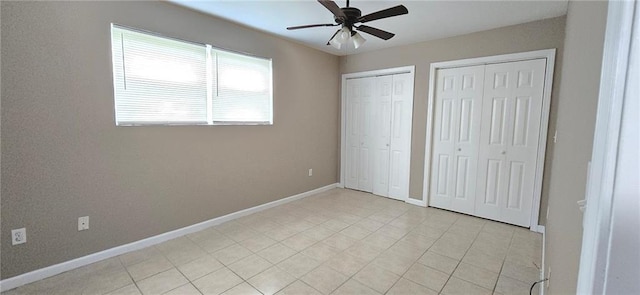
{"points": [[427, 19]]}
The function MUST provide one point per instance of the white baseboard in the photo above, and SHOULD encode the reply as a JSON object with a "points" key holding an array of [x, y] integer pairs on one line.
{"points": [[538, 229], [416, 202], [49, 271]]}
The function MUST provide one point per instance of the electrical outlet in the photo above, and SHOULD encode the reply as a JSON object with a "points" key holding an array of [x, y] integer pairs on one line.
{"points": [[18, 236], [83, 223], [310, 172]]}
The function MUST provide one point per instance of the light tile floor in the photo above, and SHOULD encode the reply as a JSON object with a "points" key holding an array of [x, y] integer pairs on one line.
{"points": [[337, 242]]}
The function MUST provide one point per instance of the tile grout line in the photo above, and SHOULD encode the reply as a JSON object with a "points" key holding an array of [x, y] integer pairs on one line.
{"points": [[349, 277], [459, 261], [369, 263], [129, 273], [300, 252], [504, 260], [372, 261]]}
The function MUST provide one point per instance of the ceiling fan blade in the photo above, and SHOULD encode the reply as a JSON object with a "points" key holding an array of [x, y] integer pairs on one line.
{"points": [[389, 12], [311, 26], [376, 32], [334, 34], [333, 7]]}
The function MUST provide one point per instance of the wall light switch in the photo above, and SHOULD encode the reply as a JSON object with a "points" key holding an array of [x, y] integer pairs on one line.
{"points": [[310, 172]]}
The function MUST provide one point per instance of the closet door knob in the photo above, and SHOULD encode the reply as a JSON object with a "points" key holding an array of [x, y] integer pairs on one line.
{"points": [[387, 144], [459, 149], [504, 152]]}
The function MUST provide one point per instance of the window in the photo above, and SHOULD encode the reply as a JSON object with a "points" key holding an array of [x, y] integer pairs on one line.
{"points": [[165, 81]]}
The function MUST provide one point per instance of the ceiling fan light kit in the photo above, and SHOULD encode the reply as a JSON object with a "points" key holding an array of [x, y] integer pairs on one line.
{"points": [[343, 36], [335, 43], [348, 17], [358, 40]]}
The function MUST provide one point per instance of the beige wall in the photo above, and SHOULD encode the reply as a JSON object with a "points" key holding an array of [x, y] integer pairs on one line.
{"points": [[537, 35], [63, 157], [586, 22]]}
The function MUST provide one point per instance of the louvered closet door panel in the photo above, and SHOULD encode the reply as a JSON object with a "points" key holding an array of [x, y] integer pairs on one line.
{"points": [[382, 133], [456, 134], [400, 137], [509, 140], [352, 129]]}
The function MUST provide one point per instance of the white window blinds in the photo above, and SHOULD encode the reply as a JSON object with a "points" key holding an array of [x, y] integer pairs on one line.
{"points": [[243, 89], [160, 80]]}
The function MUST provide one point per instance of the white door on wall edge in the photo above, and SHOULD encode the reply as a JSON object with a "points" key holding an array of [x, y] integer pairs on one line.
{"points": [[512, 108], [456, 136]]}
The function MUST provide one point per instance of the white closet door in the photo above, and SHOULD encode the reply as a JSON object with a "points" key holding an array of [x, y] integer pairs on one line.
{"points": [[400, 144], [359, 137], [378, 118], [365, 175], [512, 107], [352, 133], [382, 133], [443, 142], [456, 135]]}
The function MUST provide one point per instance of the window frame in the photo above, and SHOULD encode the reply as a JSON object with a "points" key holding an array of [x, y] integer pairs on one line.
{"points": [[210, 72]]}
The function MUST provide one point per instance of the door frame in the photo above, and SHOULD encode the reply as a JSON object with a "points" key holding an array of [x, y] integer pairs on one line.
{"points": [[598, 225], [343, 97], [549, 55]]}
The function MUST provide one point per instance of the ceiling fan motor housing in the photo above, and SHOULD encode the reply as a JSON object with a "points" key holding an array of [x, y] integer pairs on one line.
{"points": [[352, 14]]}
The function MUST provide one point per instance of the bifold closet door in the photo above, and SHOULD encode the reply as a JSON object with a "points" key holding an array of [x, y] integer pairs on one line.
{"points": [[393, 108], [382, 134], [359, 139], [512, 109], [458, 111], [400, 137], [378, 134]]}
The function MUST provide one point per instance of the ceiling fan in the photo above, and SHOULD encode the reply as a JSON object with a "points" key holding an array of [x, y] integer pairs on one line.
{"points": [[349, 18]]}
